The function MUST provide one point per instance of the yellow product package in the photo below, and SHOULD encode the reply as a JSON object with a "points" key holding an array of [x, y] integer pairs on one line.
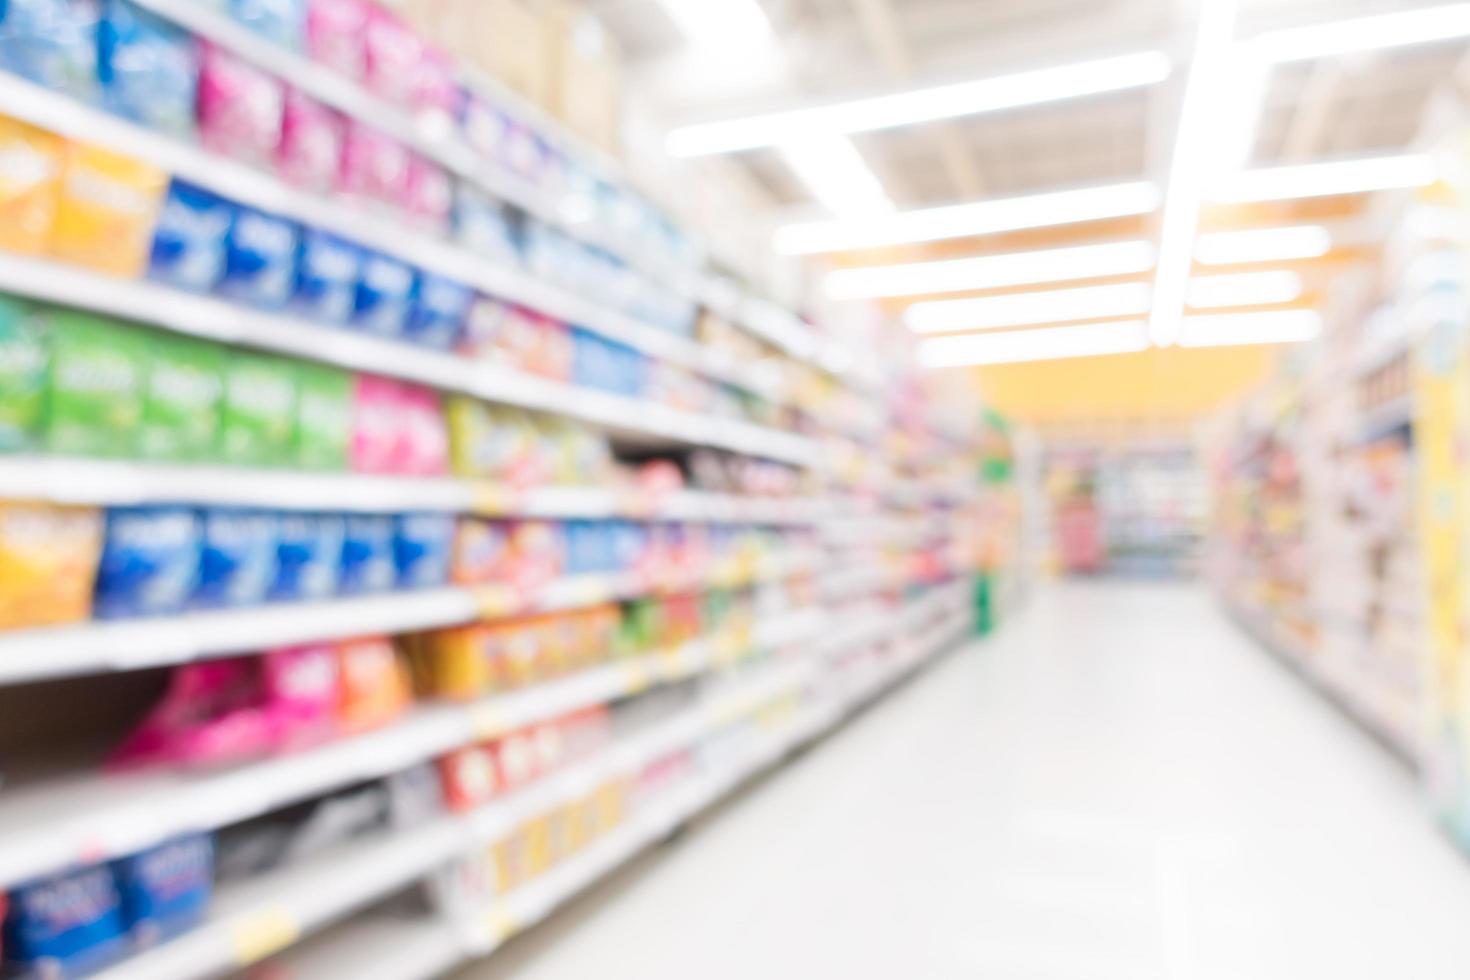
{"points": [[30, 178], [106, 211], [48, 564]]}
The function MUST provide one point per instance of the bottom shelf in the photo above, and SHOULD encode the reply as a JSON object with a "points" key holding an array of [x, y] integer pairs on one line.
{"points": [[384, 946]]}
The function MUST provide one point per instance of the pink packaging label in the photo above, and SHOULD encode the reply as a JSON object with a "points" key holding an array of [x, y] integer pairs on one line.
{"points": [[435, 90], [240, 107], [375, 424], [429, 193], [310, 152], [335, 35], [394, 53], [374, 166], [423, 445]]}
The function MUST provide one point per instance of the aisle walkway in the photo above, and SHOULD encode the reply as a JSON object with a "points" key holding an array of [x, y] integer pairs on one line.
{"points": [[1118, 787]]}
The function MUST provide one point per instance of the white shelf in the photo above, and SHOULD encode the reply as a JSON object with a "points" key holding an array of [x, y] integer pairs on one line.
{"points": [[221, 321], [68, 117], [101, 647], [112, 483], [256, 919]]}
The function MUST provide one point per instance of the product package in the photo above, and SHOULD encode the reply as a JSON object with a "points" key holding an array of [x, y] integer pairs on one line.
{"points": [[95, 391], [384, 295], [106, 211], [428, 195], [185, 391], [376, 424], [486, 226], [367, 555], [150, 562], [375, 167], [190, 241], [324, 417], [48, 564], [165, 889], [148, 68], [260, 259], [24, 360], [309, 154], [258, 422], [52, 43], [422, 444], [31, 161], [308, 557], [282, 21], [375, 684], [327, 271], [237, 558], [440, 308], [422, 548], [392, 52], [67, 925], [240, 107], [335, 32], [479, 551], [469, 777]]}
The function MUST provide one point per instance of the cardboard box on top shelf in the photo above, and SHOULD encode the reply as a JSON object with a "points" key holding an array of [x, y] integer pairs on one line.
{"points": [[586, 75], [505, 39]]}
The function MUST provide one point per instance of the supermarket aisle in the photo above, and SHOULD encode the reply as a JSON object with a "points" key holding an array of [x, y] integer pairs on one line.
{"points": [[1119, 786]]}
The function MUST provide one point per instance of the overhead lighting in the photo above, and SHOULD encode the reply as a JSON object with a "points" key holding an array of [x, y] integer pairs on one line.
{"points": [[1262, 245], [919, 106], [975, 218], [1046, 344], [1244, 289], [1393, 30], [837, 175], [992, 271], [1357, 176], [1198, 143], [728, 21], [1232, 329], [1026, 309]]}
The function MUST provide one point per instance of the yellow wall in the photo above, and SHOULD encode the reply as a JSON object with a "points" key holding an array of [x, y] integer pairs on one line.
{"points": [[1173, 384]]}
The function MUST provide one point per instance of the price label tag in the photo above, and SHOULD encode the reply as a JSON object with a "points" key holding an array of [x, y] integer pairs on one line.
{"points": [[264, 932], [493, 500], [497, 601], [487, 721], [728, 647], [500, 925], [637, 678], [671, 668]]}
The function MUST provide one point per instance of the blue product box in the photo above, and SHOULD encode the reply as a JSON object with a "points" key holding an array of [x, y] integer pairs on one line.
{"points": [[260, 263], [384, 294], [629, 542], [283, 21], [367, 555], [150, 562], [237, 560], [591, 547], [485, 226], [190, 241], [327, 270], [440, 308], [149, 69], [52, 42], [308, 557], [164, 890], [65, 926], [422, 545]]}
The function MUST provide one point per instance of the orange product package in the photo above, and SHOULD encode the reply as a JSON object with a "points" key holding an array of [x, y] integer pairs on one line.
{"points": [[30, 179], [468, 777], [375, 684], [48, 564], [524, 646], [106, 211], [461, 663]]}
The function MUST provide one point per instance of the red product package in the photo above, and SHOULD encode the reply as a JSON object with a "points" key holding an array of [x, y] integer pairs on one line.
{"points": [[469, 777], [516, 759], [310, 151], [392, 53], [240, 107], [335, 35]]}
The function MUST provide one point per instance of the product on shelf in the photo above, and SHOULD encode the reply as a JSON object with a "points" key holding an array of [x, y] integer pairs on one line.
{"points": [[309, 152], [95, 397], [69, 924], [185, 392], [240, 107], [260, 259], [258, 418], [24, 361], [190, 240], [148, 68], [29, 185], [52, 43], [150, 562], [48, 563]]}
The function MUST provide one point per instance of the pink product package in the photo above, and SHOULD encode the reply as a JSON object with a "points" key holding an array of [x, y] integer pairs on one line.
{"points": [[310, 151], [423, 448], [376, 423], [393, 55], [229, 711], [375, 167], [435, 92], [428, 193], [336, 35], [240, 107]]}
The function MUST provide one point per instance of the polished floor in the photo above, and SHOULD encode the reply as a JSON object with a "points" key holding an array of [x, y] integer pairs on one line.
{"points": [[1119, 786]]}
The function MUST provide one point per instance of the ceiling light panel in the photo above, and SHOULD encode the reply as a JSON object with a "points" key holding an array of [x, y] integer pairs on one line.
{"points": [[1046, 344], [1358, 176], [720, 23], [1244, 289], [1235, 329], [1025, 309], [1404, 27], [1283, 244], [837, 176]]}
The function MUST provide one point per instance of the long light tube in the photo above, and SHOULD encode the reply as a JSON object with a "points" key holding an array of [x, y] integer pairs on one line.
{"points": [[1404, 27], [1064, 207], [992, 271], [1031, 308], [837, 175], [1045, 344], [1356, 176], [922, 105], [1282, 244], [723, 23], [1244, 289], [1267, 327]]}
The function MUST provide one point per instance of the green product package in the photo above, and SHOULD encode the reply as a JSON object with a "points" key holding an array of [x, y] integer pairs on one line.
{"points": [[259, 418], [23, 357], [323, 417], [94, 404], [181, 416]]}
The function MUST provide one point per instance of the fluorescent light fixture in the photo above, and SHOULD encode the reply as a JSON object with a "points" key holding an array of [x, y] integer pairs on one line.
{"points": [[1046, 344], [722, 22], [1262, 245], [920, 106], [1244, 289], [1232, 329], [992, 271], [1026, 309], [837, 175], [1397, 29], [1358, 176], [975, 218], [1198, 144]]}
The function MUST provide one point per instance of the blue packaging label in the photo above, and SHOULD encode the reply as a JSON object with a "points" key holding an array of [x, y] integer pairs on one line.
{"points": [[164, 890], [308, 557], [148, 68], [591, 547], [260, 265], [326, 278], [189, 244], [422, 544], [283, 21], [237, 563], [384, 292], [69, 924], [440, 307], [367, 555], [53, 43], [150, 562]]}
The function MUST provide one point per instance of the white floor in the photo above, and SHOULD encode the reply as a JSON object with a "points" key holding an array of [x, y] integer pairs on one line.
{"points": [[1119, 786]]}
